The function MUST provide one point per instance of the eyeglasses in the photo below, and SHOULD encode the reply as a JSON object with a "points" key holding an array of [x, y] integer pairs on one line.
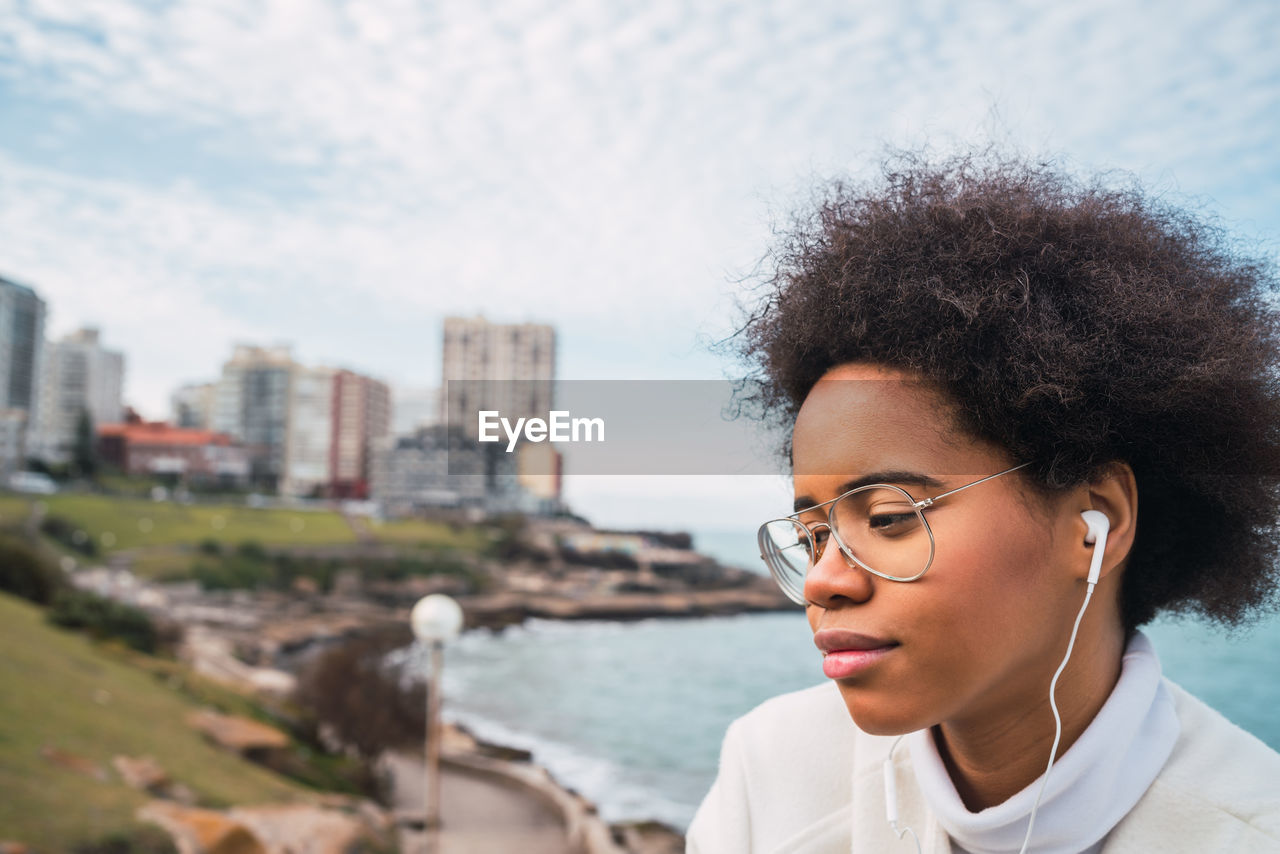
{"points": [[878, 527]]}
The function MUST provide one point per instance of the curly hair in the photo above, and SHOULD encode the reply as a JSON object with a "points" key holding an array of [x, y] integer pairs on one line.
{"points": [[1074, 324]]}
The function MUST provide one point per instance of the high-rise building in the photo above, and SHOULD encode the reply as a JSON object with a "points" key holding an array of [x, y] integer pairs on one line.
{"points": [[251, 403], [22, 315], [361, 416], [79, 377], [511, 369], [192, 405], [308, 430], [310, 437], [13, 440]]}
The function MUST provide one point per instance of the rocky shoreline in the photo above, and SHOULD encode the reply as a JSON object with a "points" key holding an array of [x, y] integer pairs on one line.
{"points": [[247, 641], [496, 611], [257, 642]]}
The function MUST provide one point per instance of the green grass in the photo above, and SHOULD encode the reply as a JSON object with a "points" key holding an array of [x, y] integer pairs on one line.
{"points": [[52, 686], [121, 484], [135, 523], [164, 562], [14, 509], [435, 535]]}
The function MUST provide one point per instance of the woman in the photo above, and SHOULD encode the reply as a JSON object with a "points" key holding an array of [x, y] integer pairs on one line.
{"points": [[1028, 416]]}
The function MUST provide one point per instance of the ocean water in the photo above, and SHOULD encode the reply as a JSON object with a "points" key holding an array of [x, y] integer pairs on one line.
{"points": [[632, 714], [731, 548]]}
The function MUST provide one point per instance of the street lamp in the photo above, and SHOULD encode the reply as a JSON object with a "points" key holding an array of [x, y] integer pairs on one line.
{"points": [[435, 619]]}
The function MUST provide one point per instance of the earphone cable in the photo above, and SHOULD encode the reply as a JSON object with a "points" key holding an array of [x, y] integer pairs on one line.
{"points": [[1057, 719], [891, 797]]}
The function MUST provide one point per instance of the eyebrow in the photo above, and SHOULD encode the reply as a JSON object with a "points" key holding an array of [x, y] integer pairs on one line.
{"points": [[804, 502]]}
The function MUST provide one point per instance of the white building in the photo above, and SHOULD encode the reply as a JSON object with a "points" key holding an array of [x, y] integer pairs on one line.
{"points": [[79, 376], [308, 466], [251, 403], [13, 438], [308, 430], [192, 405], [511, 368], [420, 471]]}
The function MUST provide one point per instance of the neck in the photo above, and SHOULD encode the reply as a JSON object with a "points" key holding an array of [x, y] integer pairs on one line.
{"points": [[996, 753]]}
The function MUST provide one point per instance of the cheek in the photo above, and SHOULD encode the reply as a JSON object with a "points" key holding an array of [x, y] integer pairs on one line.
{"points": [[998, 580]]}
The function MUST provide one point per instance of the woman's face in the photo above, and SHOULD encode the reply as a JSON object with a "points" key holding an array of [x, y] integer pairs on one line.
{"points": [[978, 636]]}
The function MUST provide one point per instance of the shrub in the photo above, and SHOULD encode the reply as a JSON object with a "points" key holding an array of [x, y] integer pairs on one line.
{"points": [[251, 550], [210, 546], [233, 573], [24, 572], [66, 532], [147, 839], [351, 691], [103, 618]]}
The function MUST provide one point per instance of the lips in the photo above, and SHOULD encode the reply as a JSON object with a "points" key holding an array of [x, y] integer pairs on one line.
{"points": [[846, 653], [833, 640]]}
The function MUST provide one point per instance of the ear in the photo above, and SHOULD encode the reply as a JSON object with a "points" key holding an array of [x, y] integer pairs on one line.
{"points": [[1113, 492]]}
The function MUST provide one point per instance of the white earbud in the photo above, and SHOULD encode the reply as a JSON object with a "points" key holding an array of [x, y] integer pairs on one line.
{"points": [[1099, 525]]}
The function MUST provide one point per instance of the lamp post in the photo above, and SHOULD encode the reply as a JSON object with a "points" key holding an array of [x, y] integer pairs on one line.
{"points": [[435, 619]]}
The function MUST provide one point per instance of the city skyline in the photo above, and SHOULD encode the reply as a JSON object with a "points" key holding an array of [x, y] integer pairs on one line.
{"points": [[342, 176]]}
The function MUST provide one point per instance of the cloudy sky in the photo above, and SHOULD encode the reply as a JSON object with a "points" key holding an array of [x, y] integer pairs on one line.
{"points": [[187, 174]]}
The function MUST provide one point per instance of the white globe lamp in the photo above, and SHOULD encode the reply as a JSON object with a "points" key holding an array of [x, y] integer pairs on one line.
{"points": [[435, 619]]}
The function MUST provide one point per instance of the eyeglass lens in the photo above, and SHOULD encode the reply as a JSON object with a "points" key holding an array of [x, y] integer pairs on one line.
{"points": [[878, 525]]}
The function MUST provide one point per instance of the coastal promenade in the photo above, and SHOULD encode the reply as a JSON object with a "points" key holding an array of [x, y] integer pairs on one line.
{"points": [[481, 816], [482, 812]]}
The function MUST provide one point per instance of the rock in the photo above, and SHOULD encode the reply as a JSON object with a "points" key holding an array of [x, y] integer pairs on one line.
{"points": [[648, 837], [180, 793], [72, 762], [301, 828], [236, 733], [275, 683], [141, 773], [200, 831], [305, 585]]}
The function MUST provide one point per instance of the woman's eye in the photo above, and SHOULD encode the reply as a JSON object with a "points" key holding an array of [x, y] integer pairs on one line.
{"points": [[886, 521]]}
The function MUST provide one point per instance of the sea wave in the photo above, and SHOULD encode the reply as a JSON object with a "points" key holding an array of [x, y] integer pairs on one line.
{"points": [[605, 783]]}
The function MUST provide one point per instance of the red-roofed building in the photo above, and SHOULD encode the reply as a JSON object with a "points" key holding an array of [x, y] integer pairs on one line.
{"points": [[157, 448]]}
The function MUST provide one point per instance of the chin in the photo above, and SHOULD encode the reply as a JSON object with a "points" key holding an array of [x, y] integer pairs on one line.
{"points": [[878, 715]]}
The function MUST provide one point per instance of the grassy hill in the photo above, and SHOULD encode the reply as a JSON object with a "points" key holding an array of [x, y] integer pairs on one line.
{"points": [[59, 690], [139, 523], [134, 523]]}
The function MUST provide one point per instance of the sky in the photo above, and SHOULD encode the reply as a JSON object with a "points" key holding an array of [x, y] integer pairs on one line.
{"points": [[340, 176]]}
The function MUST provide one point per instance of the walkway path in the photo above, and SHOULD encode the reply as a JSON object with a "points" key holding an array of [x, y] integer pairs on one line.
{"points": [[479, 814]]}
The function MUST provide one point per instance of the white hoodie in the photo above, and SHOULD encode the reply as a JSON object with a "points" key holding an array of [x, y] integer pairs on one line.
{"points": [[798, 777]]}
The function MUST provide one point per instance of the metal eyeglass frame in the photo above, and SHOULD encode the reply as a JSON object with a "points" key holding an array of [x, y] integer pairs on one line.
{"points": [[918, 506]]}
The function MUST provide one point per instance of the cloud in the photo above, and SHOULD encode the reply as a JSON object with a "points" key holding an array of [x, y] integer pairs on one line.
{"points": [[342, 174]]}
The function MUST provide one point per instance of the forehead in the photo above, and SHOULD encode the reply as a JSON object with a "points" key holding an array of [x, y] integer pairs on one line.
{"points": [[861, 418]]}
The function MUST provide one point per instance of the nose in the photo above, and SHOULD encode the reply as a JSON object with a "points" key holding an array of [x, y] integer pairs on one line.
{"points": [[836, 580]]}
